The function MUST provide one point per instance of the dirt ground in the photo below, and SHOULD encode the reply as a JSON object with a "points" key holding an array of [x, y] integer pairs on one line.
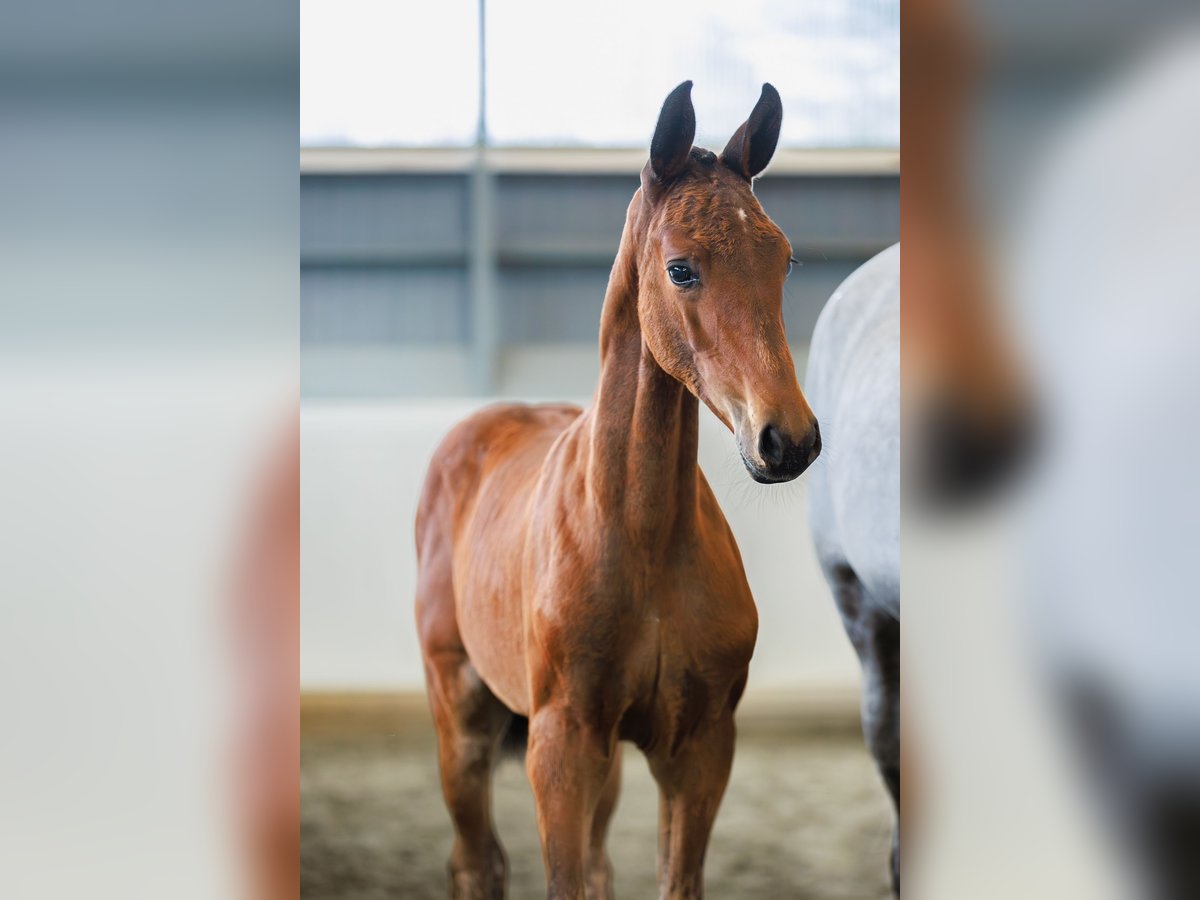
{"points": [[804, 818]]}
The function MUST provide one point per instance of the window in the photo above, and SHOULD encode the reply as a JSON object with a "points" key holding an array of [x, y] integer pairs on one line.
{"points": [[377, 73]]}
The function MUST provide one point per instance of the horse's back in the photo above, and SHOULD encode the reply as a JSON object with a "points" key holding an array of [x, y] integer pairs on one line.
{"points": [[487, 466], [853, 385]]}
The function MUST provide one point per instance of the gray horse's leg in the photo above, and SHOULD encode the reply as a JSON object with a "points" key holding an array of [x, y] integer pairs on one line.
{"points": [[875, 635]]}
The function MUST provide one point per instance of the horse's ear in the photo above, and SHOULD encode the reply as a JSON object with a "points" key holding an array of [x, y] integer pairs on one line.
{"points": [[674, 134], [753, 144]]}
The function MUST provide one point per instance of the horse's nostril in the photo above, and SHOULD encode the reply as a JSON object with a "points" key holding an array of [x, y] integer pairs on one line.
{"points": [[771, 446]]}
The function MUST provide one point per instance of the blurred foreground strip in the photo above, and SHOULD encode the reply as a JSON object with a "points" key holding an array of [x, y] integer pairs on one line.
{"points": [[148, 324], [1051, 681]]}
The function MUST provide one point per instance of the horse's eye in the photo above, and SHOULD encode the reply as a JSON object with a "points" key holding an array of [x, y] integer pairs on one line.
{"points": [[792, 262], [680, 274]]}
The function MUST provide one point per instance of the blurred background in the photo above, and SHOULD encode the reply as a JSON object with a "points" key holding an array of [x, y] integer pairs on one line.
{"points": [[148, 382], [464, 183]]}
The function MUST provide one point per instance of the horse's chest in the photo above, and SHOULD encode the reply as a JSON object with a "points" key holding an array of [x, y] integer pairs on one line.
{"points": [[680, 660], [684, 698], [661, 637]]}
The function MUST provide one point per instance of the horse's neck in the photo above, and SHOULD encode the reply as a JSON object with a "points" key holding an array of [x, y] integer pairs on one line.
{"points": [[642, 463]]}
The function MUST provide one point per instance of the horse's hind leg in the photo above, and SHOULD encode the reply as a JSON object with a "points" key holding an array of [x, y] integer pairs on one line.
{"points": [[600, 872], [876, 638], [470, 722], [881, 714]]}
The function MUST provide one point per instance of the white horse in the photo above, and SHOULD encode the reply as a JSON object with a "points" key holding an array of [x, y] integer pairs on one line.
{"points": [[853, 386], [1107, 276]]}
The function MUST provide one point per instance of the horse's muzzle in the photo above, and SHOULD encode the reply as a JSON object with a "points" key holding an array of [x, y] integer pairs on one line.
{"points": [[780, 457]]}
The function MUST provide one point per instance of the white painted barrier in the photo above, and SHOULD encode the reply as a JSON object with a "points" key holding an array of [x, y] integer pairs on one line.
{"points": [[363, 465]]}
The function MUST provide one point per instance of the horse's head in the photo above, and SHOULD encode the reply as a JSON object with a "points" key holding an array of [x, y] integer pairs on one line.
{"points": [[966, 399], [711, 268]]}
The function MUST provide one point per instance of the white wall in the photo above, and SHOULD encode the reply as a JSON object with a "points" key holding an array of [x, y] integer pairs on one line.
{"points": [[363, 464]]}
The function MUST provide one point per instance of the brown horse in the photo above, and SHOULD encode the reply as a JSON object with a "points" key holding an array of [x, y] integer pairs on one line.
{"points": [[575, 567], [968, 415]]}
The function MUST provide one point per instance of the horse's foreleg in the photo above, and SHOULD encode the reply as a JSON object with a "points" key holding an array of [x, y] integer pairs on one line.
{"points": [[599, 867], [691, 783], [469, 722], [569, 763]]}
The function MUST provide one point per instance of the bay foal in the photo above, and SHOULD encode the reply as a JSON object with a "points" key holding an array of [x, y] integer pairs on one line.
{"points": [[575, 567]]}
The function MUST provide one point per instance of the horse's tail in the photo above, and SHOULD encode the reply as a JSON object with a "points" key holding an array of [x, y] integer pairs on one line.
{"points": [[516, 738]]}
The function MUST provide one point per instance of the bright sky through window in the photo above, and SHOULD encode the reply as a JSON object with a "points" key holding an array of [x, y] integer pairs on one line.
{"points": [[379, 73]]}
